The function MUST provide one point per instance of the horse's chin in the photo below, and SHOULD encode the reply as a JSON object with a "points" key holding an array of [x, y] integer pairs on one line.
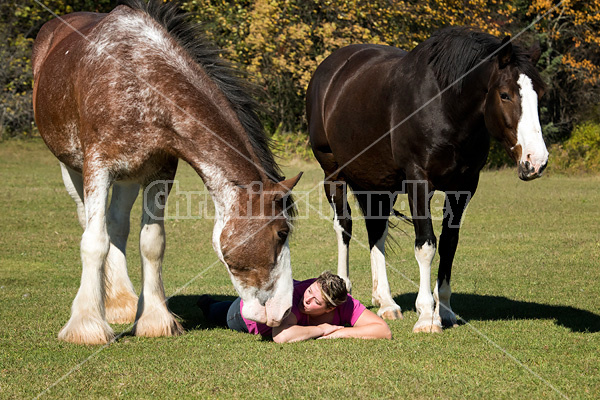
{"points": [[527, 172], [269, 314]]}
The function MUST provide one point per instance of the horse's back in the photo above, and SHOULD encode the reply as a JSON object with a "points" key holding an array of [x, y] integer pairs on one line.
{"points": [[58, 29], [345, 64], [89, 99]]}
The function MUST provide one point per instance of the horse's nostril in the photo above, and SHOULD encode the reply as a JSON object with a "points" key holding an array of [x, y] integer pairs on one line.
{"points": [[285, 314]]}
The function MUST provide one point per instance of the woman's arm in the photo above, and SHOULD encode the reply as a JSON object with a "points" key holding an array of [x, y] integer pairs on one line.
{"points": [[289, 331], [368, 326]]}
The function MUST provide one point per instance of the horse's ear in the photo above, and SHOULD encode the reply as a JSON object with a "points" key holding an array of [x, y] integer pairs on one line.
{"points": [[506, 52], [535, 52], [287, 185]]}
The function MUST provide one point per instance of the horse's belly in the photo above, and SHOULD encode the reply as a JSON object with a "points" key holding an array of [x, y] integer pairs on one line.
{"points": [[370, 173]]}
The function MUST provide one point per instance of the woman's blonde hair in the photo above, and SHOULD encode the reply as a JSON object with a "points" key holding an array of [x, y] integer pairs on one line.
{"points": [[333, 288]]}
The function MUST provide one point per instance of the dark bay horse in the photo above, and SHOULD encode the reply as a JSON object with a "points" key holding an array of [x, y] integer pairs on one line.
{"points": [[119, 98], [385, 121]]}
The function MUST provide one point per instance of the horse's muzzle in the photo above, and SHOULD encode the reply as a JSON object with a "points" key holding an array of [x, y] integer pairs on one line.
{"points": [[528, 171]]}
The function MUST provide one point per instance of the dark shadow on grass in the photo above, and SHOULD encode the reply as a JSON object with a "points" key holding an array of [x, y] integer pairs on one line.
{"points": [[184, 306], [474, 307], [192, 317]]}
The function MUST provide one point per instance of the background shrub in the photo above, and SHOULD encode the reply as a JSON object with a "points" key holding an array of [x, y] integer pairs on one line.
{"points": [[280, 43], [580, 153]]}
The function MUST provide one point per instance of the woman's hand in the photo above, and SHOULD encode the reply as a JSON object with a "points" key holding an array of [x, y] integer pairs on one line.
{"points": [[368, 326], [328, 329]]}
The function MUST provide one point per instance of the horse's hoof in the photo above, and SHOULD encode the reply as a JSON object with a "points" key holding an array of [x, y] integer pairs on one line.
{"points": [[83, 330], [428, 329], [121, 309], [151, 327], [390, 313], [449, 322], [428, 325]]}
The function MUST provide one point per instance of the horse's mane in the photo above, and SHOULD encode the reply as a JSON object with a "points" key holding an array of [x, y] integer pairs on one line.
{"points": [[189, 35], [455, 51]]}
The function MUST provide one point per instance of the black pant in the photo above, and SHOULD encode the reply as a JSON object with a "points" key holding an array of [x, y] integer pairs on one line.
{"points": [[227, 313]]}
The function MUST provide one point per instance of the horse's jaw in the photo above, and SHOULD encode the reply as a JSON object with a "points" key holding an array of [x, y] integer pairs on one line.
{"points": [[271, 306]]}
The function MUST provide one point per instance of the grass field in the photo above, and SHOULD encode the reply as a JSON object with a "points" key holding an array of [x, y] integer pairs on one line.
{"points": [[526, 281]]}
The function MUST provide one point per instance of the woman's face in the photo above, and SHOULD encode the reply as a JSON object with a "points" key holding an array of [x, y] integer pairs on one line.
{"points": [[313, 302]]}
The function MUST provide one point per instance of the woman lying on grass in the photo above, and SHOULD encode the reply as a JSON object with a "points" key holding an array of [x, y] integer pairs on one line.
{"points": [[321, 309]]}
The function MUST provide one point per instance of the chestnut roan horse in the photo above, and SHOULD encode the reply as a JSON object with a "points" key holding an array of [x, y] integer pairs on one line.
{"points": [[385, 121], [119, 98]]}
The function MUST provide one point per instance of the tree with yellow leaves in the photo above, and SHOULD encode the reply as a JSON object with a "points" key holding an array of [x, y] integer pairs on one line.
{"points": [[281, 42], [570, 35]]}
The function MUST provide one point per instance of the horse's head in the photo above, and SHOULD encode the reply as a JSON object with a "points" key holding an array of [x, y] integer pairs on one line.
{"points": [[254, 246], [511, 109]]}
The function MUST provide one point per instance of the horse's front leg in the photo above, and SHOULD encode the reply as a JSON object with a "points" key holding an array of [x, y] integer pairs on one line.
{"points": [[153, 317], [87, 324], [455, 204], [425, 245]]}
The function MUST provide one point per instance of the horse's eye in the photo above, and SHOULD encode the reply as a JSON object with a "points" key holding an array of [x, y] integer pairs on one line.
{"points": [[283, 235], [505, 96]]}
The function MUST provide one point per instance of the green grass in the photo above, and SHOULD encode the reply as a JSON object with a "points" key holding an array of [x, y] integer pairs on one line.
{"points": [[525, 278]]}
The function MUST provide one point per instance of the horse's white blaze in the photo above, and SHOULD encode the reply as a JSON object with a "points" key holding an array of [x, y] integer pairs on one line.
{"points": [[529, 131], [343, 269], [277, 301], [281, 297]]}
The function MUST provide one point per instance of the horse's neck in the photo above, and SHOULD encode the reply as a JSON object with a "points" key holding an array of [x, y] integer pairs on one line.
{"points": [[225, 166]]}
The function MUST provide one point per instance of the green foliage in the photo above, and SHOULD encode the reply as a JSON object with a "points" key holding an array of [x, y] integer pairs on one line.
{"points": [[279, 43], [16, 113], [19, 23], [291, 145], [580, 153], [498, 157], [569, 37]]}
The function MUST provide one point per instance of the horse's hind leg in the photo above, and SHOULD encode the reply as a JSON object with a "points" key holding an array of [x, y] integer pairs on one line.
{"points": [[376, 209], [74, 184], [153, 317], [336, 192], [454, 206], [87, 324], [120, 300]]}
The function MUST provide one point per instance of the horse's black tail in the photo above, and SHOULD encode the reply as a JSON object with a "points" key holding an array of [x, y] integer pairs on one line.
{"points": [[402, 217], [392, 243]]}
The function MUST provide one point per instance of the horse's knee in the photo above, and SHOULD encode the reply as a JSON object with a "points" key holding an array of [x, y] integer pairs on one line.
{"points": [[94, 246], [152, 242]]}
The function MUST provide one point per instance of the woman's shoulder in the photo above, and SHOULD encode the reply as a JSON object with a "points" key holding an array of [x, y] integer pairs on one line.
{"points": [[304, 283], [351, 310], [301, 286]]}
